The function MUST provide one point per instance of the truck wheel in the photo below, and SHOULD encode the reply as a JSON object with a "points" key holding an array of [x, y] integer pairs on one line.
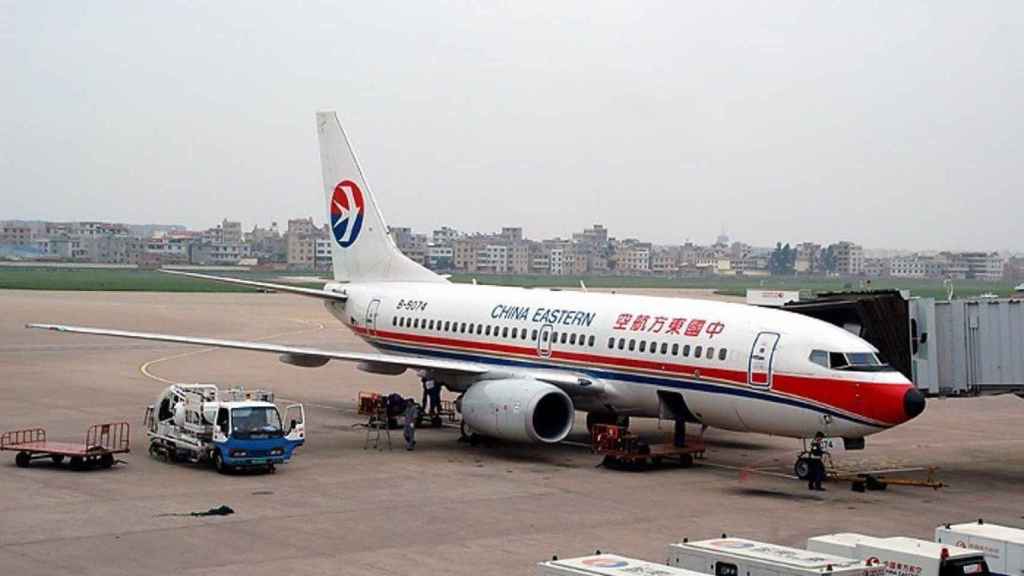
{"points": [[107, 460], [802, 468], [77, 463], [218, 462], [685, 460], [22, 459], [57, 458]]}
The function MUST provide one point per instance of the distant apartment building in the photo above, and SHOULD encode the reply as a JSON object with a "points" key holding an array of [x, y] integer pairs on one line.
{"points": [[849, 258], [413, 245], [301, 244]]}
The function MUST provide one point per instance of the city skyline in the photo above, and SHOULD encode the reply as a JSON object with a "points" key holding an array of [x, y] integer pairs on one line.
{"points": [[887, 125]]}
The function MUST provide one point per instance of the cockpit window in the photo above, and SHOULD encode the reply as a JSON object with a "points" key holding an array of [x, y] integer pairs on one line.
{"points": [[849, 361]]}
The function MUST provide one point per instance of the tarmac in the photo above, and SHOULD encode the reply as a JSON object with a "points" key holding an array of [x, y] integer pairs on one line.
{"points": [[446, 508]]}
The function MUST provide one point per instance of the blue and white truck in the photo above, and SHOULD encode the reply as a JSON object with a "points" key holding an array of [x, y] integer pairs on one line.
{"points": [[233, 428]]}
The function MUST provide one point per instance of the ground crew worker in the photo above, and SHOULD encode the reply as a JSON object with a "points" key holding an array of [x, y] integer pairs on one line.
{"points": [[816, 463], [429, 385], [412, 412]]}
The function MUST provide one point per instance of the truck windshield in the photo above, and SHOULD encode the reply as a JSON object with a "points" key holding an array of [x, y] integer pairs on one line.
{"points": [[256, 422], [964, 567]]}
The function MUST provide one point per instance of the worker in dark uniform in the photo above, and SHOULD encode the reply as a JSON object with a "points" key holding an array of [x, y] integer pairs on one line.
{"points": [[412, 412], [816, 462], [429, 385]]}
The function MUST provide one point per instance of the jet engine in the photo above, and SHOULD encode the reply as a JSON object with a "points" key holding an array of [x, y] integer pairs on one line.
{"points": [[518, 410]]}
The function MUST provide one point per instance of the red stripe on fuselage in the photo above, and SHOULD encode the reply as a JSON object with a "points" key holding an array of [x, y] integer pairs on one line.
{"points": [[859, 398]]}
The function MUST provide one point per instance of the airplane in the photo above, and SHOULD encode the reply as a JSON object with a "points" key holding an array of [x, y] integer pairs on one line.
{"points": [[525, 360]]}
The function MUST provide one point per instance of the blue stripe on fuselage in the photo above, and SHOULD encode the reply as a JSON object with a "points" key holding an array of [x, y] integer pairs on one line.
{"points": [[625, 376]]}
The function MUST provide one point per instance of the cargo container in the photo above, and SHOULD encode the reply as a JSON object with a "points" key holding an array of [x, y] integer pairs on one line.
{"points": [[741, 557], [903, 556], [608, 565], [1003, 546]]}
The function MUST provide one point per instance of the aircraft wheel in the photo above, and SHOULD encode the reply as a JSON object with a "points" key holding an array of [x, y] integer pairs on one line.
{"points": [[802, 468], [22, 459]]}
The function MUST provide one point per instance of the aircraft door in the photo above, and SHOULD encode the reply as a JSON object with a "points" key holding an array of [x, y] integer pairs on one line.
{"points": [[371, 316], [544, 341], [762, 355]]}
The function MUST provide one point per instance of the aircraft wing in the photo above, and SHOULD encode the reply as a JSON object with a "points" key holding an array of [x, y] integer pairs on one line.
{"points": [[312, 356], [313, 292], [573, 384]]}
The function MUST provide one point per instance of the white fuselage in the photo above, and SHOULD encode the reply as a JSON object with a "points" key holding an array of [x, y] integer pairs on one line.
{"points": [[737, 367]]}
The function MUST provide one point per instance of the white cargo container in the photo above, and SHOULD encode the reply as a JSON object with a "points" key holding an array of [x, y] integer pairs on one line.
{"points": [[740, 557], [608, 565], [903, 556], [1003, 546]]}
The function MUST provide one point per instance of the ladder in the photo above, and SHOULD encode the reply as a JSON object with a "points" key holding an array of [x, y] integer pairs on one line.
{"points": [[378, 423]]}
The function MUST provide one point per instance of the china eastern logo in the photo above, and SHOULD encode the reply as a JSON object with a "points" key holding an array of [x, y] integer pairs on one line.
{"points": [[346, 213]]}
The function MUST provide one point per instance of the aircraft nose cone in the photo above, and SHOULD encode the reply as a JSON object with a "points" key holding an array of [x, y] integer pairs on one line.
{"points": [[913, 403]]}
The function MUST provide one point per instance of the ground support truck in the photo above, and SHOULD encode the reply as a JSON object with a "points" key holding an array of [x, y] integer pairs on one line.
{"points": [[903, 556], [741, 557], [234, 428], [1003, 546]]}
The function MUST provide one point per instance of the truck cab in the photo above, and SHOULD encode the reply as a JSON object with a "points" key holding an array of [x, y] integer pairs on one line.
{"points": [[252, 433]]}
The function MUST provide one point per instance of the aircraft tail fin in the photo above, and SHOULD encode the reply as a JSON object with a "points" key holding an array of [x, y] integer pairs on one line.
{"points": [[361, 247]]}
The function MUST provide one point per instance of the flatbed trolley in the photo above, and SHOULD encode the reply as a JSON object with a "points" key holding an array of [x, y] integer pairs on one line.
{"points": [[620, 448], [102, 442]]}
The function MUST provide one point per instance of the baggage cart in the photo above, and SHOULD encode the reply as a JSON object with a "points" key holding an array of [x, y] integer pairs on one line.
{"points": [[102, 442]]}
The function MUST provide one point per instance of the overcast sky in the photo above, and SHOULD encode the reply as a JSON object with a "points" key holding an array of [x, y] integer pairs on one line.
{"points": [[896, 124]]}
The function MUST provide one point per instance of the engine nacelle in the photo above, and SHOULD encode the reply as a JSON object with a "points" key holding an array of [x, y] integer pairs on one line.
{"points": [[518, 410]]}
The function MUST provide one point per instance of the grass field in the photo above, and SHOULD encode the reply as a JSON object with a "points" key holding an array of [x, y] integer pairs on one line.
{"points": [[152, 281]]}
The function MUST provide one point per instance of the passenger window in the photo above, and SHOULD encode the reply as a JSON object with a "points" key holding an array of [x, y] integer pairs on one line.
{"points": [[643, 345], [515, 333], [711, 353], [504, 332], [447, 325], [544, 336], [722, 352], [611, 343], [697, 350], [675, 349], [416, 323], [664, 347], [632, 344], [533, 335], [590, 341], [572, 339], [563, 337], [686, 350], [654, 347], [487, 330], [431, 327], [462, 328]]}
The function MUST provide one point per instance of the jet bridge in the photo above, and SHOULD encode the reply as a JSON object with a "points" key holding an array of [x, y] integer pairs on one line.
{"points": [[947, 348]]}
